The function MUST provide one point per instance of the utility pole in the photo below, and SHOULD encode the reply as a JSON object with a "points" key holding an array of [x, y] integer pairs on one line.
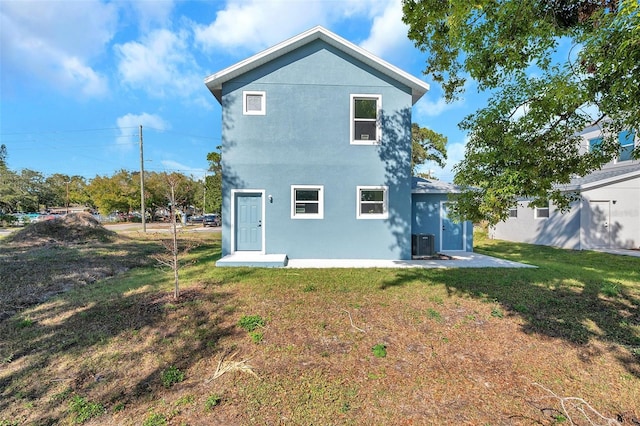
{"points": [[144, 213], [67, 182], [204, 195]]}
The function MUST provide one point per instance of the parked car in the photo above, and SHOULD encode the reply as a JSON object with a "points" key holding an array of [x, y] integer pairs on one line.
{"points": [[195, 219], [211, 220]]}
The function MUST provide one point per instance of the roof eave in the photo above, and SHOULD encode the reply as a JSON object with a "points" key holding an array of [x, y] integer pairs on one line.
{"points": [[215, 81]]}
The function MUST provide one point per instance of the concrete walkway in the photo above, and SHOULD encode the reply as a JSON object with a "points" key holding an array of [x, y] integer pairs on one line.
{"points": [[460, 260], [620, 252]]}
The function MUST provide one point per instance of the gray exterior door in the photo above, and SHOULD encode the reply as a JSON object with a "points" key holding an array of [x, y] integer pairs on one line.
{"points": [[248, 222], [451, 233], [599, 228]]}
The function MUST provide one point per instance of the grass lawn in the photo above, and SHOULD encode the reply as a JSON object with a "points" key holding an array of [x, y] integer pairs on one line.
{"points": [[243, 346]]}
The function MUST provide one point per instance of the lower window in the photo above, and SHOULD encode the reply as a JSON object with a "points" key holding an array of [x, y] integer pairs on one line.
{"points": [[307, 202], [372, 202], [542, 212]]}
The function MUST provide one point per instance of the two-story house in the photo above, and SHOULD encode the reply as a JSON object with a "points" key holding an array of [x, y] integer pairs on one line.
{"points": [[606, 215], [316, 157]]}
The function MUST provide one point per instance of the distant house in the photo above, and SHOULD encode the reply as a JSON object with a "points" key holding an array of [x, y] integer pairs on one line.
{"points": [[607, 214], [316, 158]]}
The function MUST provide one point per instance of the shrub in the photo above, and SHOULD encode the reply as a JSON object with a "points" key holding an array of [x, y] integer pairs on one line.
{"points": [[212, 401], [379, 350], [84, 410], [155, 419], [171, 376], [251, 322]]}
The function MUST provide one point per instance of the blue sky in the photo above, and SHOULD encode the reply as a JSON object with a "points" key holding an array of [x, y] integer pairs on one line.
{"points": [[78, 77]]}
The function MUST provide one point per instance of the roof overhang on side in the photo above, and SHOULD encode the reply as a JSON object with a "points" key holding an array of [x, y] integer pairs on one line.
{"points": [[215, 81], [613, 178], [426, 186]]}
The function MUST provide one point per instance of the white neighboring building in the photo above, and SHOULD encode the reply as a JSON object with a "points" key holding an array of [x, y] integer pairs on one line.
{"points": [[607, 215]]}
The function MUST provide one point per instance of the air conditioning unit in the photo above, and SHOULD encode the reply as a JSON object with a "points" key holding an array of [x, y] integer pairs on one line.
{"points": [[423, 244]]}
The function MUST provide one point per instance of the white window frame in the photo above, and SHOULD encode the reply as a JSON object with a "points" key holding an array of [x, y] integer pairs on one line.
{"points": [[263, 106], [320, 214], [536, 213], [352, 126], [385, 203]]}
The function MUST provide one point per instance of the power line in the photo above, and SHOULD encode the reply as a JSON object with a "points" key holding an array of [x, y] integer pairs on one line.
{"points": [[67, 131]]}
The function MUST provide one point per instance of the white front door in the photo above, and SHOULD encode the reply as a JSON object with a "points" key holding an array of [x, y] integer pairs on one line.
{"points": [[599, 227]]}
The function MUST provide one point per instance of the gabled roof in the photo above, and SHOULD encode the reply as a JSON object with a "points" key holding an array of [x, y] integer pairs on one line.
{"points": [[215, 81], [428, 186]]}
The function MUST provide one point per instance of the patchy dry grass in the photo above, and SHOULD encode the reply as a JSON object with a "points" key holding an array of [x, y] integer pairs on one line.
{"points": [[483, 346]]}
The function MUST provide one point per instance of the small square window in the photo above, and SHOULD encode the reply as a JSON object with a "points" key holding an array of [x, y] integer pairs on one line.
{"points": [[594, 144], [372, 202], [513, 211], [307, 202], [254, 103], [365, 120]]}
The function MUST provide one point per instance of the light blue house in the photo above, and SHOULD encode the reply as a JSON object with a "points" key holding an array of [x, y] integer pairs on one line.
{"points": [[316, 157]]}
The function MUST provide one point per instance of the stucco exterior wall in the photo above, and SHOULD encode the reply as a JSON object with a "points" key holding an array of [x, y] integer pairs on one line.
{"points": [[426, 219], [607, 216], [558, 230], [621, 229], [304, 139]]}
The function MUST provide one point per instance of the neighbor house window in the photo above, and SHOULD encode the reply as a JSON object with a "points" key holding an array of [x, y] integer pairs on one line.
{"points": [[373, 202], [254, 103], [626, 139], [542, 212], [365, 120], [513, 211], [594, 144], [307, 202]]}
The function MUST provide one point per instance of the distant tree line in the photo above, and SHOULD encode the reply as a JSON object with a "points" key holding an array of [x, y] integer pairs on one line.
{"points": [[31, 191]]}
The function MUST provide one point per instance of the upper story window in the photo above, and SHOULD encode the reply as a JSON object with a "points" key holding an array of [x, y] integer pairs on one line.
{"points": [[307, 201], [542, 212], [626, 139], [373, 202], [595, 143], [513, 211], [254, 103], [365, 120]]}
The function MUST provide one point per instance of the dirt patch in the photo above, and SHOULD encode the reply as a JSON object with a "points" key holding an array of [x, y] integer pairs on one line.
{"points": [[48, 258], [74, 228]]}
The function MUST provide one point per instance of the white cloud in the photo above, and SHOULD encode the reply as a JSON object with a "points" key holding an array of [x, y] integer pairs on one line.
{"points": [[90, 82], [159, 64], [388, 32], [150, 13], [55, 43], [130, 123], [427, 108], [455, 154], [171, 165], [253, 25], [258, 24]]}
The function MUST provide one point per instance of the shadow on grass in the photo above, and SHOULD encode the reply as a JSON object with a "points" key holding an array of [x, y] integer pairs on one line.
{"points": [[577, 296], [68, 342]]}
